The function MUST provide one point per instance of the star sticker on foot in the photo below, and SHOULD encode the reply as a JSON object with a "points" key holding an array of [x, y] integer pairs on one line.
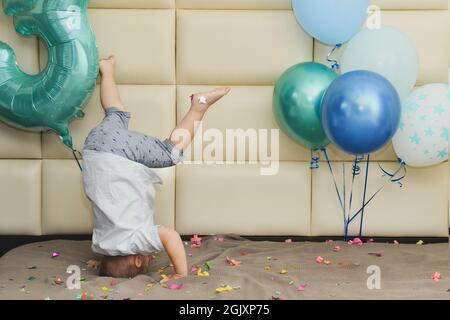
{"points": [[202, 100]]}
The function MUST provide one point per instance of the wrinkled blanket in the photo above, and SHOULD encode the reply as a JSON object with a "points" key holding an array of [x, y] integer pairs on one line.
{"points": [[267, 270]]}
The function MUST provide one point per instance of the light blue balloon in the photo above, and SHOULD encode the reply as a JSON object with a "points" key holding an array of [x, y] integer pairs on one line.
{"points": [[331, 21], [386, 51]]}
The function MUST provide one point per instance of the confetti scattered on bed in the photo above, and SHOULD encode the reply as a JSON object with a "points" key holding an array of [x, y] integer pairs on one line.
{"points": [[229, 267]]}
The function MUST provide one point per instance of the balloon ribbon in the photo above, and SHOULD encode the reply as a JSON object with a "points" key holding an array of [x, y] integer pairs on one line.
{"points": [[355, 172], [334, 63], [75, 152]]}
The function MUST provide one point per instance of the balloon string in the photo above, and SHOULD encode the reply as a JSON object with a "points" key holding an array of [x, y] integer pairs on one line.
{"points": [[366, 178], [398, 180], [391, 179], [355, 172], [337, 189], [334, 63], [315, 159], [344, 188], [75, 152]]}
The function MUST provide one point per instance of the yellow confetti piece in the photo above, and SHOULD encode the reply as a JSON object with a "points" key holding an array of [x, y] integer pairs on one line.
{"points": [[267, 268], [224, 289], [283, 271], [420, 242], [149, 285], [201, 273], [104, 289], [327, 262], [164, 277]]}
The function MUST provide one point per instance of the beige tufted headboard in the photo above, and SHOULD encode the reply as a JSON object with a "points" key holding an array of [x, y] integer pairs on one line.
{"points": [[168, 49]]}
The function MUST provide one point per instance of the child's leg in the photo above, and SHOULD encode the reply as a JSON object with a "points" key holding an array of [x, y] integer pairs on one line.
{"points": [[155, 153], [109, 93], [113, 136], [183, 134]]}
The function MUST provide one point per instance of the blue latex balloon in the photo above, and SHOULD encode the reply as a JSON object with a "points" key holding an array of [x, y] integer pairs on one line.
{"points": [[361, 112], [331, 21]]}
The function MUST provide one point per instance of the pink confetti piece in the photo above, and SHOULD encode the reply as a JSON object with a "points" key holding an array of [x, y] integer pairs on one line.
{"points": [[396, 242], [320, 259], [288, 241], [376, 254], [337, 249], [55, 254], [356, 242], [233, 263], [436, 276], [370, 241], [58, 281], [329, 241], [196, 242], [220, 239], [194, 268], [175, 286], [244, 253], [113, 283], [302, 287]]}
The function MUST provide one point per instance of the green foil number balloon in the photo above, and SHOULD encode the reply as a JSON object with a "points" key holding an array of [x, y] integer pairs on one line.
{"points": [[58, 94]]}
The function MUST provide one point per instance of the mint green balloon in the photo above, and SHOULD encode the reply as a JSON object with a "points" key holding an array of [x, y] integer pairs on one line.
{"points": [[297, 102], [58, 94], [386, 51]]}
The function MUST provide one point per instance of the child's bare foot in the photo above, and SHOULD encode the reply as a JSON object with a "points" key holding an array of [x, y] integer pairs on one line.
{"points": [[202, 101], [107, 66]]}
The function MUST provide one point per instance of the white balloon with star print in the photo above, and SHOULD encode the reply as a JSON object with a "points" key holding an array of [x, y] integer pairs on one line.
{"points": [[422, 138]]}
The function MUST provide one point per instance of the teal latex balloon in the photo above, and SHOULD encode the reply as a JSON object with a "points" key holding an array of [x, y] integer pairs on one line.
{"points": [[297, 102], [58, 94]]}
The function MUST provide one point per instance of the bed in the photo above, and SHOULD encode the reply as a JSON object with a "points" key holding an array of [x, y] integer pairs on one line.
{"points": [[268, 270]]}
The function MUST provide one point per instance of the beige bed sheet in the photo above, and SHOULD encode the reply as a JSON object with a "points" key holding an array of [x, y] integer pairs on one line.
{"points": [[29, 272]]}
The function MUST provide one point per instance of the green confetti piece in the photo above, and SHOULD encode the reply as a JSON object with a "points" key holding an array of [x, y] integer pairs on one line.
{"points": [[24, 291], [207, 265]]}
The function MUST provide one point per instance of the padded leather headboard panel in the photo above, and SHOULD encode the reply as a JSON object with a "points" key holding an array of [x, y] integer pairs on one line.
{"points": [[168, 49]]}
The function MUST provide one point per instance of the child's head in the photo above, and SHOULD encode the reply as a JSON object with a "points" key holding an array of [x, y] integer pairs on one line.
{"points": [[124, 266]]}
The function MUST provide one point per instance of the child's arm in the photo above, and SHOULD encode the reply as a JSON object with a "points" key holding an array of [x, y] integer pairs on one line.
{"points": [[173, 245]]}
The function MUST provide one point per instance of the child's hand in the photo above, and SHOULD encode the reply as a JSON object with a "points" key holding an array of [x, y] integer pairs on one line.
{"points": [[174, 276], [94, 264]]}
